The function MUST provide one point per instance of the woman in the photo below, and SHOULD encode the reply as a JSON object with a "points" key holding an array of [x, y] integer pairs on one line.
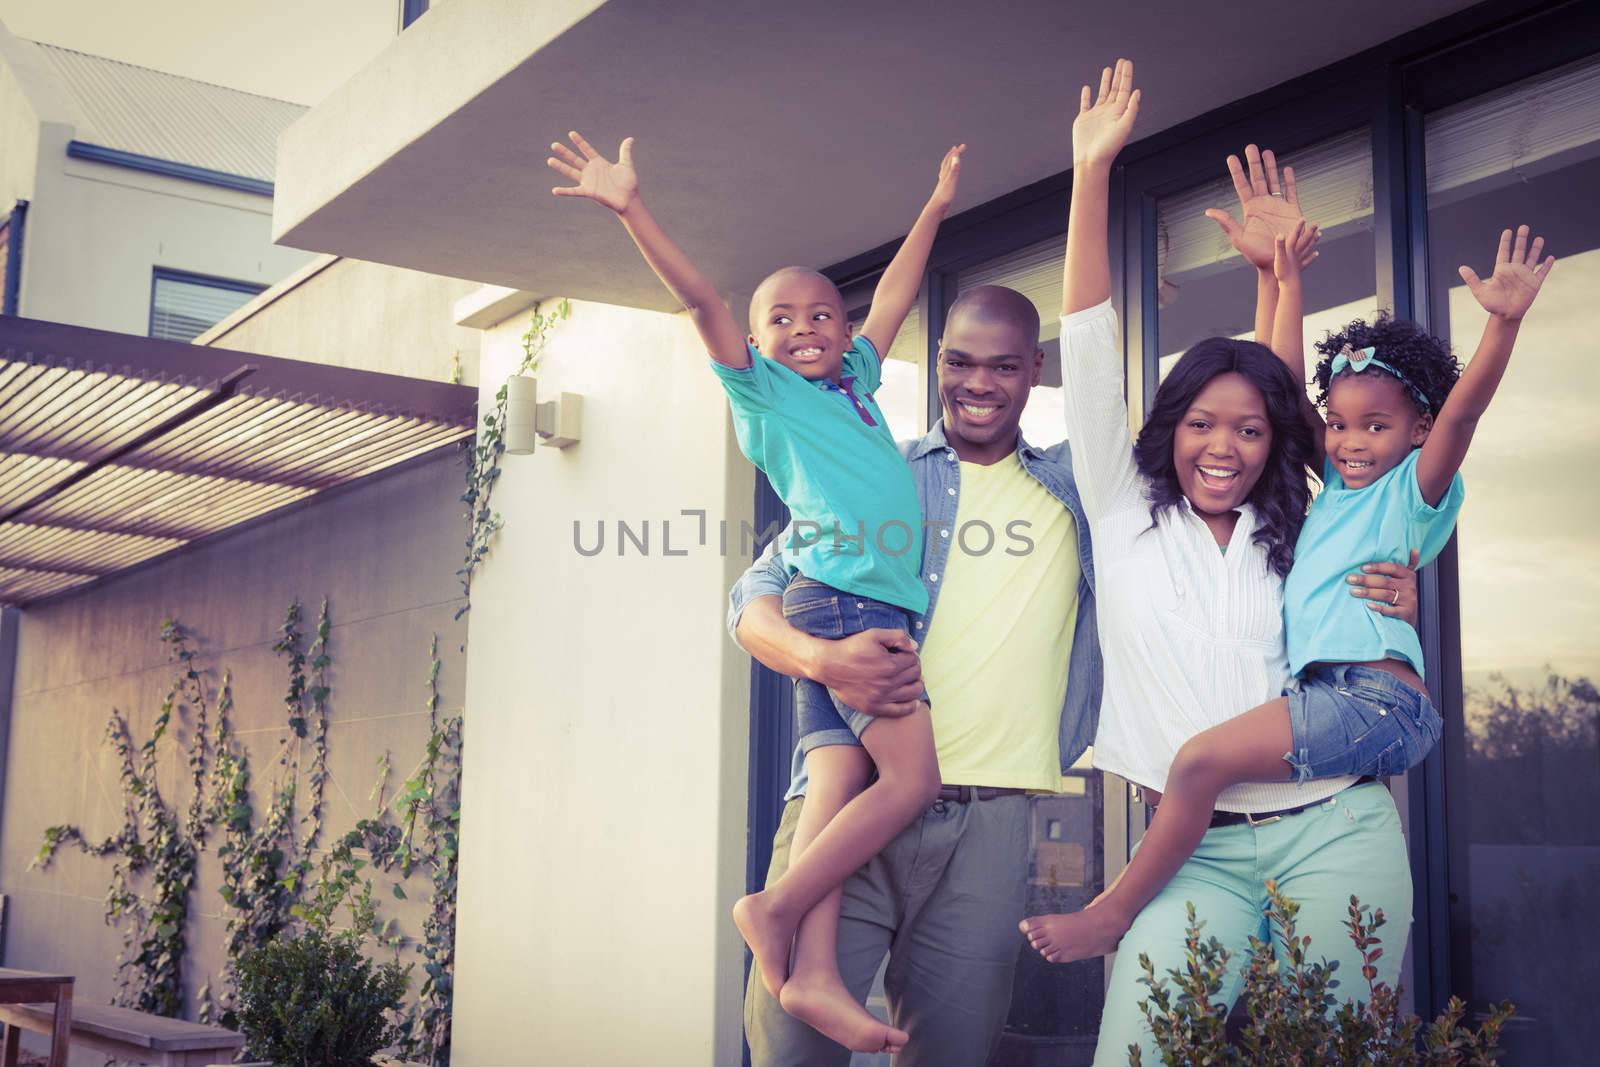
{"points": [[1193, 532]]}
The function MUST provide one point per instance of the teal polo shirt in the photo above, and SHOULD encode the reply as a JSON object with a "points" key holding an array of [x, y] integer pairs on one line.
{"points": [[1346, 528], [830, 457]]}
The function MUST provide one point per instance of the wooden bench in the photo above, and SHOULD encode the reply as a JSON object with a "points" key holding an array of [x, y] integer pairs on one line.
{"points": [[130, 1035], [50, 997]]}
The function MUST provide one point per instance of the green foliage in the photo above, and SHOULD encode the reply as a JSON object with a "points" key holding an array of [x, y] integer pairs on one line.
{"points": [[154, 842], [316, 1001], [483, 455], [277, 877], [1295, 1018]]}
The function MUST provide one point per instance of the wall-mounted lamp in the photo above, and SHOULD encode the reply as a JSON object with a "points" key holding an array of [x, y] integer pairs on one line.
{"points": [[527, 420]]}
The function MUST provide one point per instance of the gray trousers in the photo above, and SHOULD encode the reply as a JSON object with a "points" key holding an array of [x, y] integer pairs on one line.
{"points": [[943, 901]]}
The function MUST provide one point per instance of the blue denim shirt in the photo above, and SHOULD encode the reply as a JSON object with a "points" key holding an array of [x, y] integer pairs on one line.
{"points": [[937, 471]]}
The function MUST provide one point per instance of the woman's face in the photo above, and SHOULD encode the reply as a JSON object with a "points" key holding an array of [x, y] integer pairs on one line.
{"points": [[1222, 444]]}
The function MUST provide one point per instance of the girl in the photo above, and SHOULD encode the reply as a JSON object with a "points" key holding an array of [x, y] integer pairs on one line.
{"points": [[1398, 426], [1193, 532]]}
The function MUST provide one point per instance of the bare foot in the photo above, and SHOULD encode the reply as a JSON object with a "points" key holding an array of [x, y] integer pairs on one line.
{"points": [[827, 1007], [769, 936], [1079, 936]]}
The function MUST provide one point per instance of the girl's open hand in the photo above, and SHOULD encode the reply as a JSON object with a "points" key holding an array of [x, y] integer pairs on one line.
{"points": [[1103, 125], [1270, 205], [616, 185], [944, 191], [1292, 252], [1517, 276]]}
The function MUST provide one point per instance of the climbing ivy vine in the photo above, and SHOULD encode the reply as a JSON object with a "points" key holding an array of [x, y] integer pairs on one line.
{"points": [[274, 872], [483, 455]]}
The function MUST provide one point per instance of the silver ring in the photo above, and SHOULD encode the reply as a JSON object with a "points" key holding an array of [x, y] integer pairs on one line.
{"points": [[1396, 601], [1277, 194]]}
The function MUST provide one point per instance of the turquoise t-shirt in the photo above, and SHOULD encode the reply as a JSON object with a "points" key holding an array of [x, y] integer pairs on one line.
{"points": [[1345, 529], [832, 460]]}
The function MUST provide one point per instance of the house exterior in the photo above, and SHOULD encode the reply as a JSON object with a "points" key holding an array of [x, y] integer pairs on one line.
{"points": [[625, 761], [599, 863], [130, 199]]}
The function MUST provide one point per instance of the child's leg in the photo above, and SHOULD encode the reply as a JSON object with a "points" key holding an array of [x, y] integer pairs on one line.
{"points": [[815, 993], [836, 775], [908, 782], [1248, 748]]}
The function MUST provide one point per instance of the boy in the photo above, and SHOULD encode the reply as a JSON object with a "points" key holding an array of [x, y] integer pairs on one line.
{"points": [[801, 391]]}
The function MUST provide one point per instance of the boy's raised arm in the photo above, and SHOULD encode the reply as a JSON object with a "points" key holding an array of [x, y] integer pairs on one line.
{"points": [[897, 289], [1506, 295], [1098, 134], [616, 186]]}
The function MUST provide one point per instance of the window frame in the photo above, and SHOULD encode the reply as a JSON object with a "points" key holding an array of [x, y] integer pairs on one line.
{"points": [[169, 274]]}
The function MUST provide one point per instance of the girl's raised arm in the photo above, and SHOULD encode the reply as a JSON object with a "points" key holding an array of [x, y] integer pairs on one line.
{"points": [[1507, 295]]}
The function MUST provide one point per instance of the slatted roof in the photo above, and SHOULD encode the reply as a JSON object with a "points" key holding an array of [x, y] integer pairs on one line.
{"points": [[115, 450]]}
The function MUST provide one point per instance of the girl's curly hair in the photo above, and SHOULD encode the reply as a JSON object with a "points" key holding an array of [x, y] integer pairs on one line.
{"points": [[1424, 359], [1282, 494]]}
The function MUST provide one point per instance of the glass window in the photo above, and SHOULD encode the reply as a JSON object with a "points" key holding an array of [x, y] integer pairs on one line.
{"points": [[1208, 290], [183, 306], [1525, 793], [1035, 272]]}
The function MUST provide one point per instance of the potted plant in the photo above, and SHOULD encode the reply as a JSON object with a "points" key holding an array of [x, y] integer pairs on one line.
{"points": [[317, 1000]]}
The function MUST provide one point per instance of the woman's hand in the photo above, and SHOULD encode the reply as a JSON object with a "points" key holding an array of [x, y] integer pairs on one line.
{"points": [[614, 185], [944, 190], [1389, 588], [1271, 208], [1104, 123]]}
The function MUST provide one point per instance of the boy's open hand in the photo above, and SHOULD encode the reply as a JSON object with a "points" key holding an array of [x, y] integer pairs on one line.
{"points": [[944, 191], [616, 185], [1102, 127], [1291, 253], [1517, 276], [1271, 208]]}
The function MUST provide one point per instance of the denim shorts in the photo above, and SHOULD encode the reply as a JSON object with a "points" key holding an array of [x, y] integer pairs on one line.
{"points": [[823, 611], [1347, 719]]}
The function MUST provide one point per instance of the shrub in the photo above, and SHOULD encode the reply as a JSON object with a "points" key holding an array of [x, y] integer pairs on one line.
{"points": [[1294, 1016], [316, 1000]]}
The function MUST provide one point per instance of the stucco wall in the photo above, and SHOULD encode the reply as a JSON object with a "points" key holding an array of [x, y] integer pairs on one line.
{"points": [[604, 813], [96, 232], [383, 552], [349, 313]]}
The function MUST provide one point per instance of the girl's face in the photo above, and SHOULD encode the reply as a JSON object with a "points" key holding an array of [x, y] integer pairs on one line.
{"points": [[1372, 426], [1222, 444]]}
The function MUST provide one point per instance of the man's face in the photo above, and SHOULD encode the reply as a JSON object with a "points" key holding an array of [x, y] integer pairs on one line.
{"points": [[797, 320], [986, 368]]}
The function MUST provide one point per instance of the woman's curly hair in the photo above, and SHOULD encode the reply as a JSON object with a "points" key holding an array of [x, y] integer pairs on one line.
{"points": [[1424, 359], [1282, 494]]}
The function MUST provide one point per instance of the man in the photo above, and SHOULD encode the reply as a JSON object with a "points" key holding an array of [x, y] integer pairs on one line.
{"points": [[1010, 659]]}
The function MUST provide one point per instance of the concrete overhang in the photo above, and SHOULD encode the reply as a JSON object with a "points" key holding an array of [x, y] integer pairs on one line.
{"points": [[766, 134]]}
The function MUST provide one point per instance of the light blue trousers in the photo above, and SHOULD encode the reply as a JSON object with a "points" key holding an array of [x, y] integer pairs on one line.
{"points": [[1349, 844]]}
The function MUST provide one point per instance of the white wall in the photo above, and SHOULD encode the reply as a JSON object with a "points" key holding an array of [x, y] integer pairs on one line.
{"points": [[97, 231], [603, 821], [349, 313]]}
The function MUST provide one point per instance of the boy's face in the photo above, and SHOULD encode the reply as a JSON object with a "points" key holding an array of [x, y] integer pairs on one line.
{"points": [[797, 320], [987, 366]]}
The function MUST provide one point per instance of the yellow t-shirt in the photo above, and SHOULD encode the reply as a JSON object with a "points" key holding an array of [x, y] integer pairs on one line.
{"points": [[995, 657]]}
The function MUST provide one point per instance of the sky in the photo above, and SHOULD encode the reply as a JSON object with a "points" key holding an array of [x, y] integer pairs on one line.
{"points": [[296, 50]]}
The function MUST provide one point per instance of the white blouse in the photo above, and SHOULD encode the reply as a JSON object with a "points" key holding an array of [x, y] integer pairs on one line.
{"points": [[1191, 636]]}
